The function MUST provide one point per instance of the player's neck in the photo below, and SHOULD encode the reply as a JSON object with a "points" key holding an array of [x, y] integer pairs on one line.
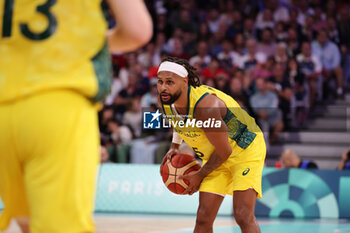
{"points": [[181, 103]]}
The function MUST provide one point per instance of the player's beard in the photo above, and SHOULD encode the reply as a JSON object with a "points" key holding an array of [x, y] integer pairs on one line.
{"points": [[172, 98]]}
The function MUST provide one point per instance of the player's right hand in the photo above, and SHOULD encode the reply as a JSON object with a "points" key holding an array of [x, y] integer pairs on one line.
{"points": [[171, 152]]}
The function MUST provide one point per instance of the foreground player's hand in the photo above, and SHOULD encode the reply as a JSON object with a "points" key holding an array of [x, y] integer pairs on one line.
{"points": [[174, 149], [195, 179]]}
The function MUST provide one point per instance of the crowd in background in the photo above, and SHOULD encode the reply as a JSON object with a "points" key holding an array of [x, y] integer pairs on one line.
{"points": [[277, 59]]}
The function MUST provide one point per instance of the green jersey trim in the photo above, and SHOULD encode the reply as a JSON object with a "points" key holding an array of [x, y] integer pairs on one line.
{"points": [[238, 131], [195, 106], [103, 69]]}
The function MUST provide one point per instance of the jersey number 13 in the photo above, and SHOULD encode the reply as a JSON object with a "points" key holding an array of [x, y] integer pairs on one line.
{"points": [[24, 28]]}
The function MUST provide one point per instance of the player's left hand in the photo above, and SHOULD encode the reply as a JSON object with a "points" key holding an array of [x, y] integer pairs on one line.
{"points": [[195, 179]]}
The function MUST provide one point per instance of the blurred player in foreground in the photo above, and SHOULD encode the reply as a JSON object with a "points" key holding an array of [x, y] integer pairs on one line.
{"points": [[233, 151], [54, 68]]}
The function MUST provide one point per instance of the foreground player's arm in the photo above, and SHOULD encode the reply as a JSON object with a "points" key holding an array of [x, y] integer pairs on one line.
{"points": [[176, 141], [134, 25], [174, 148], [211, 107]]}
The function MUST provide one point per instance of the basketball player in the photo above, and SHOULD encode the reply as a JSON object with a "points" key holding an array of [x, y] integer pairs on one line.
{"points": [[233, 151], [54, 68]]}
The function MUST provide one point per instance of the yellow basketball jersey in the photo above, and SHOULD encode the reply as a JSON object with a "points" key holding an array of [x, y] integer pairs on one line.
{"points": [[242, 128], [47, 44]]}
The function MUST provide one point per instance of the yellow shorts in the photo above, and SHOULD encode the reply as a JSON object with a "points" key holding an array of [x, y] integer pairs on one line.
{"points": [[239, 172], [49, 149]]}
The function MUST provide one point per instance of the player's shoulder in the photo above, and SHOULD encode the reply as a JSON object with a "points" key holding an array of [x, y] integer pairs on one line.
{"points": [[210, 105], [210, 100]]}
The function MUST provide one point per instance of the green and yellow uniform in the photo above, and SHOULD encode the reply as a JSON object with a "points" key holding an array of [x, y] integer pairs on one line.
{"points": [[54, 66], [243, 169]]}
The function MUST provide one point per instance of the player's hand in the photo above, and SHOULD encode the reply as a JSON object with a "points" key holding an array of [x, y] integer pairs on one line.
{"points": [[174, 149], [195, 179]]}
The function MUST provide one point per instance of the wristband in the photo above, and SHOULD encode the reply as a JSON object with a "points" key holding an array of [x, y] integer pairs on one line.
{"points": [[176, 138]]}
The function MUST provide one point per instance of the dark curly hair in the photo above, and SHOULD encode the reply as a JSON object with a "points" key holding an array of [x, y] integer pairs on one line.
{"points": [[193, 78]]}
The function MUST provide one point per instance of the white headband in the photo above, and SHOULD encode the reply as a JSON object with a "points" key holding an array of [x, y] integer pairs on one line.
{"points": [[173, 67]]}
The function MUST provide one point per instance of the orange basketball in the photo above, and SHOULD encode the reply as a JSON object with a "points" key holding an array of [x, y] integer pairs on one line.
{"points": [[180, 164]]}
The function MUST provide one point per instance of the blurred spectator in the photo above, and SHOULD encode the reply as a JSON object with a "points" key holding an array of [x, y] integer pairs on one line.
{"points": [[293, 21], [186, 23], [303, 11], [120, 139], [237, 24], [239, 46], [228, 58], [133, 116], [300, 99], [162, 24], [228, 13], [170, 45], [265, 105], [264, 20], [345, 161], [344, 30], [281, 54], [291, 159], [150, 97], [204, 33], [248, 7], [221, 82], [239, 94], [267, 45], [152, 71], [116, 87], [142, 150], [104, 116], [189, 43], [293, 45], [215, 43], [119, 134], [252, 58], [209, 82], [307, 31], [311, 67], [147, 57], [331, 8], [280, 84], [244, 77], [265, 71], [214, 20], [280, 13], [104, 156], [213, 70], [329, 55], [131, 62], [128, 94], [249, 28], [333, 31], [178, 50], [160, 46], [319, 19], [279, 33], [202, 57]]}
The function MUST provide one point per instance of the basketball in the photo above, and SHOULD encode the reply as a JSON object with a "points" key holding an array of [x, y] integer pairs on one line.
{"points": [[180, 164]]}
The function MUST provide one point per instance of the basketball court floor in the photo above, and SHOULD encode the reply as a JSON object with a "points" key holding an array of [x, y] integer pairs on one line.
{"points": [[120, 223]]}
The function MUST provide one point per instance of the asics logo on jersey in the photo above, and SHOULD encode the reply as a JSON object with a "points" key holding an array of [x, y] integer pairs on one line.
{"points": [[246, 171]]}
